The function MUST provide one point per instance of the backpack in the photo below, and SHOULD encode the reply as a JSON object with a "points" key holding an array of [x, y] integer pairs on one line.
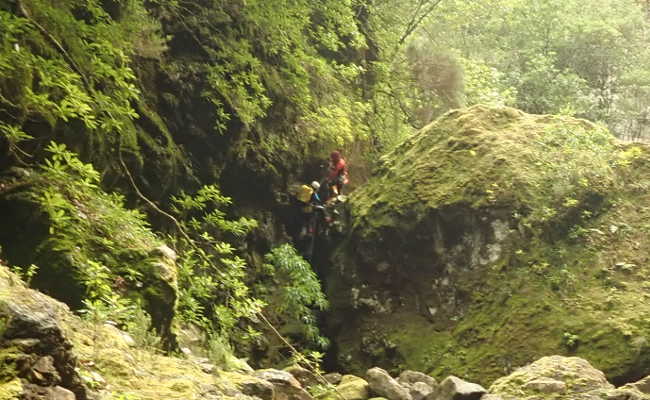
{"points": [[303, 194]]}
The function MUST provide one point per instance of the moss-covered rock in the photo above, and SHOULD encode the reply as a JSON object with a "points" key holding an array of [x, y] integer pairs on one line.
{"points": [[557, 377], [351, 388], [11, 390], [39, 334], [491, 238]]}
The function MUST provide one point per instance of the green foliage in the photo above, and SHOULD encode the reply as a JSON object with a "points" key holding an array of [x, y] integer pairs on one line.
{"points": [[109, 308], [220, 293], [567, 169], [93, 240], [211, 277], [278, 69], [570, 340], [292, 291], [93, 228], [26, 273], [67, 67], [554, 56], [139, 326], [482, 84], [14, 136]]}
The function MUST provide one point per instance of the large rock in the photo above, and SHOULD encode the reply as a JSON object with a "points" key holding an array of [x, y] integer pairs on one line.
{"points": [[453, 388], [37, 350], [304, 376], [479, 243], [35, 392], [557, 376], [161, 292], [409, 377], [260, 388], [382, 384], [333, 377], [277, 376], [420, 390], [286, 387], [350, 388], [418, 384]]}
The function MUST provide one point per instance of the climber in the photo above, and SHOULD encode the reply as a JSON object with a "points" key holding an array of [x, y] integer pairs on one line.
{"points": [[337, 175], [308, 198], [315, 198]]}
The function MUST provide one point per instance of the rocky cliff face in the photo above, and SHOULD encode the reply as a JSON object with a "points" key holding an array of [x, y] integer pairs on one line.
{"points": [[491, 238]]}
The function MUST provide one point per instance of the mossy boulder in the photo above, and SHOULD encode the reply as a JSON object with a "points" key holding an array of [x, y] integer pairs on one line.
{"points": [[351, 388], [557, 377], [575, 375], [46, 351], [491, 238]]}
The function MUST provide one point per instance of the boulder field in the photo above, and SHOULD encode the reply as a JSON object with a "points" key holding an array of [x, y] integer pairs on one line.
{"points": [[48, 353]]}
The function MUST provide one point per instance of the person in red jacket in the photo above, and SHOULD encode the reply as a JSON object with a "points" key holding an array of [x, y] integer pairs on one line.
{"points": [[338, 173]]}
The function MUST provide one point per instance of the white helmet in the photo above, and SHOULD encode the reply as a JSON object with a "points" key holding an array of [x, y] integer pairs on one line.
{"points": [[315, 185]]}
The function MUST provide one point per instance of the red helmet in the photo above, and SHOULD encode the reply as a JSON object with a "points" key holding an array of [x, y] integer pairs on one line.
{"points": [[335, 156]]}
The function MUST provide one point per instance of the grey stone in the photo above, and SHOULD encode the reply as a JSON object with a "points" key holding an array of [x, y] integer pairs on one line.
{"points": [[381, 383], [36, 392], [333, 377], [642, 385], [277, 376], [567, 377], [44, 372], [33, 320], [454, 388], [292, 393], [411, 377], [303, 375], [128, 339], [208, 368], [167, 252], [621, 394], [285, 386], [265, 390], [59, 393], [419, 390]]}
